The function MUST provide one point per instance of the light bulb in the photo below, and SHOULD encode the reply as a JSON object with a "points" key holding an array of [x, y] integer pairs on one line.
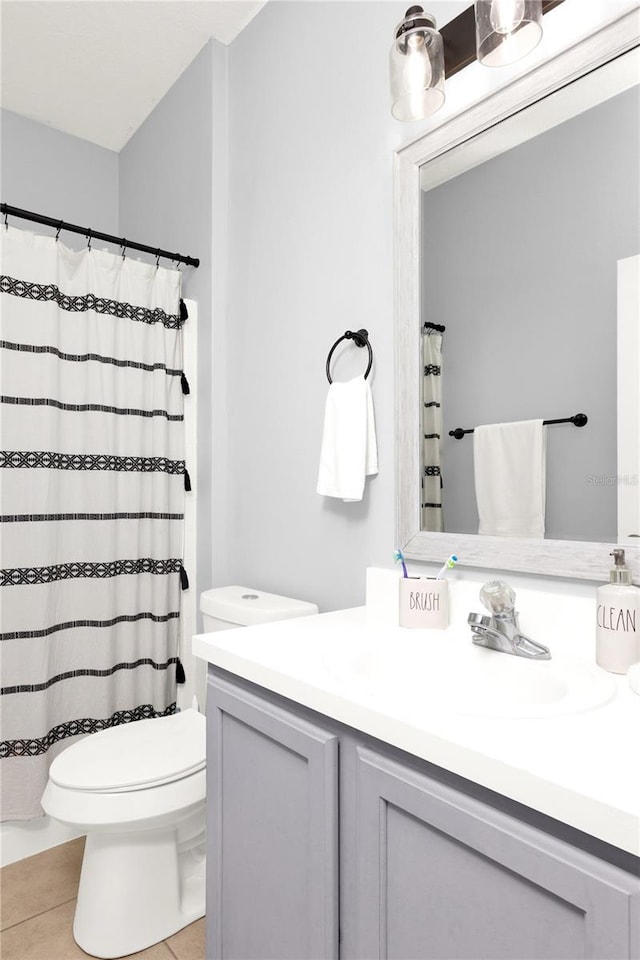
{"points": [[506, 15], [507, 30], [417, 71], [417, 78]]}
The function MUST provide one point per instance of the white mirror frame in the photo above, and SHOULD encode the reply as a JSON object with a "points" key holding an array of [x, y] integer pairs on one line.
{"points": [[557, 558]]}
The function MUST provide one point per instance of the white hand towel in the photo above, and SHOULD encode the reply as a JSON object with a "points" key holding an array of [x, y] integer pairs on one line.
{"points": [[510, 477], [349, 451]]}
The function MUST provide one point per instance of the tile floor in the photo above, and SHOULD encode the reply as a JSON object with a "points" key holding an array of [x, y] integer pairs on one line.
{"points": [[37, 907]]}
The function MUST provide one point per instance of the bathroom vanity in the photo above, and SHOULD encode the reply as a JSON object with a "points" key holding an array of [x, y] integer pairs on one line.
{"points": [[346, 823]]}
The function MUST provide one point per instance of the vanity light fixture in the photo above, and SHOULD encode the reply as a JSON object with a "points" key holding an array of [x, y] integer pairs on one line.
{"points": [[507, 30], [494, 32], [417, 67]]}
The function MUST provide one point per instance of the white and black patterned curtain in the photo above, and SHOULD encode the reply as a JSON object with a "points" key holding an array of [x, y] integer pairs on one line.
{"points": [[93, 480], [432, 427]]}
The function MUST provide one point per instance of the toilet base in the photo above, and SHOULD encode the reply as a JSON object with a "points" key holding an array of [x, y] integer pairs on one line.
{"points": [[140, 887]]}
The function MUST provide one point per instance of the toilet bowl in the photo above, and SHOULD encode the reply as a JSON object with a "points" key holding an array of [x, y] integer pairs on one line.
{"points": [[138, 790]]}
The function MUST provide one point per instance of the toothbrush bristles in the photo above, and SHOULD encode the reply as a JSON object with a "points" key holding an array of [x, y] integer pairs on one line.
{"points": [[398, 556]]}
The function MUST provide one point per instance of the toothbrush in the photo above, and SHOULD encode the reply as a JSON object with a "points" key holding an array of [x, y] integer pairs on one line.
{"points": [[399, 558], [447, 565]]}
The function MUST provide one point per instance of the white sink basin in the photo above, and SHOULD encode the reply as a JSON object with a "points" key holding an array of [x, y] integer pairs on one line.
{"points": [[468, 680]]}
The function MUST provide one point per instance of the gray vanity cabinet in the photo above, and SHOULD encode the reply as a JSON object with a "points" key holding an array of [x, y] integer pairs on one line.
{"points": [[430, 866], [440, 874], [272, 788]]}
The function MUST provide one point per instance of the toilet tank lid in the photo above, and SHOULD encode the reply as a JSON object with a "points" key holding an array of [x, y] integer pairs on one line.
{"points": [[246, 606], [134, 755]]}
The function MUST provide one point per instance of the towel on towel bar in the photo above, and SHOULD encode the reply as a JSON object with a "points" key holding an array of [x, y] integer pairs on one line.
{"points": [[349, 451], [509, 462]]}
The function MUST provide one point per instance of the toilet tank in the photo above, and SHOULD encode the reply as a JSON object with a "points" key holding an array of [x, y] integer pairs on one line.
{"points": [[224, 608]]}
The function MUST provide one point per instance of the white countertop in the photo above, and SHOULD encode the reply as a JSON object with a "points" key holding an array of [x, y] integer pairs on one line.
{"points": [[582, 769]]}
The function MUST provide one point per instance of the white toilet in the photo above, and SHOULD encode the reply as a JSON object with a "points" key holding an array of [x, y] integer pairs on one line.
{"points": [[138, 790]]}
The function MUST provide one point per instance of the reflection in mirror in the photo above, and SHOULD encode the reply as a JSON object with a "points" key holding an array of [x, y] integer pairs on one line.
{"points": [[530, 251]]}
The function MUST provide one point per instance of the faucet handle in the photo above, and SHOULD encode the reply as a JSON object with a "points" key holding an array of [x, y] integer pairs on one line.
{"points": [[499, 598]]}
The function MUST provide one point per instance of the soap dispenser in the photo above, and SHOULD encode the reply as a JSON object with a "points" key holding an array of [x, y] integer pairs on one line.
{"points": [[617, 638]]}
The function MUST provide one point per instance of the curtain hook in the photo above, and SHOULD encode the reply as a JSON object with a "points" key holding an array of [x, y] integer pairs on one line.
{"points": [[60, 225], [89, 240], [6, 220], [123, 244], [157, 258]]}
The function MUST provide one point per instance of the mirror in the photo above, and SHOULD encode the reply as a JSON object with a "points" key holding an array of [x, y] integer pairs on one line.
{"points": [[533, 217], [537, 290]]}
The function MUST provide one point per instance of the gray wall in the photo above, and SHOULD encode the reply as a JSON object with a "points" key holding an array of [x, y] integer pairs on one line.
{"points": [[519, 264], [59, 176], [310, 244], [166, 190]]}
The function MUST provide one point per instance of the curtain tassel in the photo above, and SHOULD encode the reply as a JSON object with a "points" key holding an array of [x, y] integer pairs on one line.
{"points": [[184, 313], [180, 674], [185, 385], [187, 480], [184, 579]]}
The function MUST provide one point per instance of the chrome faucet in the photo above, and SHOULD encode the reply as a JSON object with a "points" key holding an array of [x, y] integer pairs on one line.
{"points": [[501, 631]]}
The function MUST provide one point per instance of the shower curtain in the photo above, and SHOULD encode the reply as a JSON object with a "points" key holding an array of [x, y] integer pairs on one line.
{"points": [[92, 500], [432, 428]]}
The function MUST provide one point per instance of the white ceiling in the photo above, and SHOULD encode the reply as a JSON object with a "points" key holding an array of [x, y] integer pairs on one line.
{"points": [[97, 68]]}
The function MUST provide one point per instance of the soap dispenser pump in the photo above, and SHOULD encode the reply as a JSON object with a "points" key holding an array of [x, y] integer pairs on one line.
{"points": [[617, 638]]}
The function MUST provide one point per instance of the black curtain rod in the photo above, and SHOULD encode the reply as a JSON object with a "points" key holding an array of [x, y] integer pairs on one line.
{"points": [[579, 420], [9, 211]]}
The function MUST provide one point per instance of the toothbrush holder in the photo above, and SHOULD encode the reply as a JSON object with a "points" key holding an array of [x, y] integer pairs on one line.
{"points": [[424, 603]]}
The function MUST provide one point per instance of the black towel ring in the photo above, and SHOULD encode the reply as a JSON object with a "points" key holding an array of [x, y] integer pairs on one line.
{"points": [[361, 339]]}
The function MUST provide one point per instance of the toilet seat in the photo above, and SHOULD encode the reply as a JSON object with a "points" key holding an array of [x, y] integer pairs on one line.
{"points": [[134, 756]]}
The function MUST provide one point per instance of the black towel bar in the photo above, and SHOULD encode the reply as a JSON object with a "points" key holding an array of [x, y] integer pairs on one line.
{"points": [[579, 420]]}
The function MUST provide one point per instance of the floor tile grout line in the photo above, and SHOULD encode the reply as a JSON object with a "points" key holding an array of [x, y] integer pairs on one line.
{"points": [[34, 915], [166, 942]]}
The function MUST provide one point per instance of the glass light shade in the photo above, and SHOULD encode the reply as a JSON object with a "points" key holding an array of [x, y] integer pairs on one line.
{"points": [[417, 68], [507, 30]]}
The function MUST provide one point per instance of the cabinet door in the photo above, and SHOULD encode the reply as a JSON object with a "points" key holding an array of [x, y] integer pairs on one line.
{"points": [[441, 875], [272, 870]]}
